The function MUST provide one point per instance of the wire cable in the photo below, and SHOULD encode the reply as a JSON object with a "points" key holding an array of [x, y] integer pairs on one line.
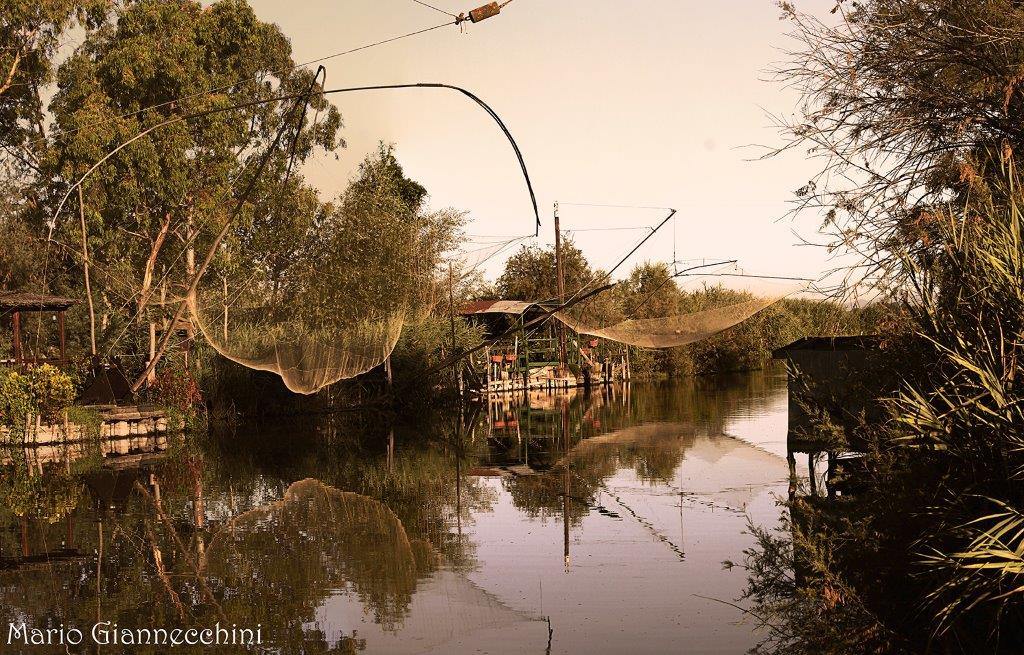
{"points": [[608, 229], [57, 135], [595, 204], [295, 96], [629, 313], [437, 9], [761, 277]]}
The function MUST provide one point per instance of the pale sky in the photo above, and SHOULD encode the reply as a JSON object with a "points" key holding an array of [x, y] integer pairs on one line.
{"points": [[614, 102]]}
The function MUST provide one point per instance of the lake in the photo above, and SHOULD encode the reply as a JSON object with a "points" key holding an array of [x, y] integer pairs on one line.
{"points": [[578, 523]]}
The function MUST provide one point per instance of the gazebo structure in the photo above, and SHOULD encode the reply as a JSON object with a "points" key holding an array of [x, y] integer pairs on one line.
{"points": [[17, 309]]}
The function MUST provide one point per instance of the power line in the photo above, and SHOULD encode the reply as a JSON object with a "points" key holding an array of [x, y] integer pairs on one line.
{"points": [[594, 204], [671, 278], [609, 229], [761, 277]]}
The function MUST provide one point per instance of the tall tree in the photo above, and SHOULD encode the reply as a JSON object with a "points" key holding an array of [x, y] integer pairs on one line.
{"points": [[158, 202], [30, 36], [530, 273]]}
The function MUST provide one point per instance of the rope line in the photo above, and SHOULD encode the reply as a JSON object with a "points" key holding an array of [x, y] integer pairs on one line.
{"points": [[595, 204], [296, 96]]}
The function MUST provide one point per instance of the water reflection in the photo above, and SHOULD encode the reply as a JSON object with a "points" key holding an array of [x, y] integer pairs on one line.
{"points": [[608, 512]]}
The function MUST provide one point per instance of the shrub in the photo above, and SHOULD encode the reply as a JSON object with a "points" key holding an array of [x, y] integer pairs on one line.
{"points": [[52, 391], [15, 400], [176, 388]]}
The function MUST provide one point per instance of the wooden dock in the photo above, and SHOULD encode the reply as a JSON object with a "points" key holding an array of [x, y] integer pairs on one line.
{"points": [[114, 422]]}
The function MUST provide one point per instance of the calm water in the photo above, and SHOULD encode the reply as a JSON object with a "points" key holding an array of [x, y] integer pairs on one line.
{"points": [[555, 524]]}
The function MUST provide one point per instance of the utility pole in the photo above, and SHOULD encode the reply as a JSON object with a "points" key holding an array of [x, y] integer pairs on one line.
{"points": [[560, 274]]}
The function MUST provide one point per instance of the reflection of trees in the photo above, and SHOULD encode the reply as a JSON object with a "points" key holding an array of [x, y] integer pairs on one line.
{"points": [[418, 476], [274, 566], [276, 562], [647, 432], [652, 451]]}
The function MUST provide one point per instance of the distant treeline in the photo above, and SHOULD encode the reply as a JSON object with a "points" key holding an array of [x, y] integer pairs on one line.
{"points": [[651, 291]]}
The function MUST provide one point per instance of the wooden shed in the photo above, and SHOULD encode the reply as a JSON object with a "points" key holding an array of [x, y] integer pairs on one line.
{"points": [[838, 378]]}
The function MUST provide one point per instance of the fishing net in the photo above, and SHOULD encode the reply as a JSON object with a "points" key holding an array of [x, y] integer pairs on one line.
{"points": [[671, 331], [322, 298]]}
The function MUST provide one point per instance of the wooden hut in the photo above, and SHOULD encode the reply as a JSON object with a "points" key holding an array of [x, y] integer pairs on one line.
{"points": [[528, 358]]}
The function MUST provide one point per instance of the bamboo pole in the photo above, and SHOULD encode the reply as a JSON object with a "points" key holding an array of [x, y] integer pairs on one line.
{"points": [[85, 266]]}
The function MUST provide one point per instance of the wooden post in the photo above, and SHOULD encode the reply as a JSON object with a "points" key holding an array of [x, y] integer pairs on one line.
{"points": [[526, 354], [16, 323], [560, 275], [487, 377], [60, 329], [451, 314], [151, 373], [225, 309], [568, 486], [88, 287]]}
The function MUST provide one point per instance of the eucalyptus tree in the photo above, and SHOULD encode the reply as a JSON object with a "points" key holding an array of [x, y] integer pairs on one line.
{"points": [[149, 208], [31, 34]]}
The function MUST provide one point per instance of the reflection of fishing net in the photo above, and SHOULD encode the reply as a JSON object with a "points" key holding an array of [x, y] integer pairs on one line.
{"points": [[321, 298], [722, 469], [348, 557], [672, 331], [328, 539]]}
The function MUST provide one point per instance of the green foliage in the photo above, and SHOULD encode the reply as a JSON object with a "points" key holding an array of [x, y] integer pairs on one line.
{"points": [[942, 480], [530, 273], [15, 400], [176, 388], [30, 36], [902, 102], [89, 419], [825, 617], [153, 208], [44, 390], [52, 391]]}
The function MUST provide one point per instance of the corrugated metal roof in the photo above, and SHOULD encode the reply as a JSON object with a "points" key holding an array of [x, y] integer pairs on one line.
{"points": [[516, 307]]}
